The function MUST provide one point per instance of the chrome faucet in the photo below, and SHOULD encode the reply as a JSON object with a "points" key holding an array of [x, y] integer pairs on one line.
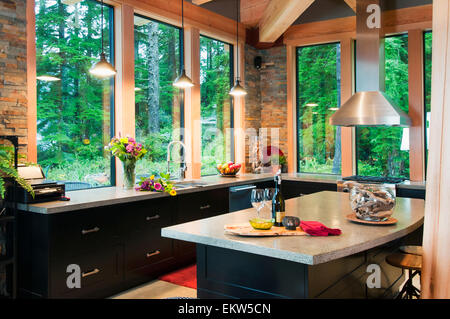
{"points": [[182, 163]]}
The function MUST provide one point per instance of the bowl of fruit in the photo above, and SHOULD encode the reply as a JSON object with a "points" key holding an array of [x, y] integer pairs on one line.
{"points": [[229, 169]]}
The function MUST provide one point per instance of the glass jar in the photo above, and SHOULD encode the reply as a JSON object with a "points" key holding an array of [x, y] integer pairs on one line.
{"points": [[372, 202]]}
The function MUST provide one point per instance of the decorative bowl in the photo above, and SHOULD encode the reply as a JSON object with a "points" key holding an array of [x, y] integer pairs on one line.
{"points": [[372, 202], [261, 224], [233, 174]]}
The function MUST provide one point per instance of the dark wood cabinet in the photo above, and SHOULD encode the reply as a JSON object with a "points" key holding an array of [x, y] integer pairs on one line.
{"points": [[293, 189], [116, 247]]}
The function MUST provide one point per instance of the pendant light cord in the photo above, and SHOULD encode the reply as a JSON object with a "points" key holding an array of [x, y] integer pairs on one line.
{"points": [[237, 39], [182, 30], [102, 28]]}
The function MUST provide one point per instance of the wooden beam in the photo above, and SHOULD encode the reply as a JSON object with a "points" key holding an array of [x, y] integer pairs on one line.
{"points": [[416, 106], [31, 84], [348, 153], [351, 4], [278, 17], [395, 21], [192, 116], [200, 2], [252, 11], [435, 275], [291, 108]]}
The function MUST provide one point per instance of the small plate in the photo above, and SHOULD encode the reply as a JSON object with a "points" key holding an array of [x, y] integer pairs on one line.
{"points": [[353, 218]]}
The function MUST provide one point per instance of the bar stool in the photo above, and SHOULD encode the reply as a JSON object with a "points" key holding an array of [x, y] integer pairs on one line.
{"points": [[412, 263], [413, 250]]}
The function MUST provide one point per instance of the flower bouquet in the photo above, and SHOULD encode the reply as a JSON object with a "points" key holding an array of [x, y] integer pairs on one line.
{"points": [[161, 184], [129, 152]]}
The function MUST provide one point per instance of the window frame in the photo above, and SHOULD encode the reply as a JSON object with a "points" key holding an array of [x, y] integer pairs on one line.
{"points": [[232, 100], [297, 103]]}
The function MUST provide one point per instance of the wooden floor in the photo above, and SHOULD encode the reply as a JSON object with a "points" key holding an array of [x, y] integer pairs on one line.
{"points": [[157, 289]]}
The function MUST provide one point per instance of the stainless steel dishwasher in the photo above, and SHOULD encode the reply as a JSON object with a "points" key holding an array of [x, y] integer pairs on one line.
{"points": [[240, 197]]}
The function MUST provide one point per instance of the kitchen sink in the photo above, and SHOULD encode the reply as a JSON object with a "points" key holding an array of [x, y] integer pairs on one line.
{"points": [[186, 184]]}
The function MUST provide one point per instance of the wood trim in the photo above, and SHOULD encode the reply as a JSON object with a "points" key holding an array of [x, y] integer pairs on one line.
{"points": [[192, 115], [436, 240], [31, 83], [124, 80], [395, 21], [169, 11], [239, 111], [278, 17], [200, 2], [351, 4], [416, 105], [348, 152], [291, 68]]}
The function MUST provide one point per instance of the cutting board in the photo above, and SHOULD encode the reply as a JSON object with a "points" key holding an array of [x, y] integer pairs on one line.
{"points": [[248, 230]]}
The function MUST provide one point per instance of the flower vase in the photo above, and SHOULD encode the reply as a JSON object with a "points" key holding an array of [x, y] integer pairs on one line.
{"points": [[129, 174]]}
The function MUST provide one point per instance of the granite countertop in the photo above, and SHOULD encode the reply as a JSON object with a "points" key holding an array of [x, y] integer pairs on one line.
{"points": [[329, 208]]}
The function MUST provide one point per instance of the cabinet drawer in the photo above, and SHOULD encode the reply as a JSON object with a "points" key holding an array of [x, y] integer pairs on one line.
{"points": [[146, 215], [100, 270], [82, 231], [147, 249], [202, 205]]}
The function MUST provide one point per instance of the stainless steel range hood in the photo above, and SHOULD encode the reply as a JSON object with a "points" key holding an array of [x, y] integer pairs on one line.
{"points": [[370, 106]]}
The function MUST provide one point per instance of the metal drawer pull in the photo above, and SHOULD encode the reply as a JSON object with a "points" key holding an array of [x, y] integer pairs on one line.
{"points": [[205, 207], [90, 273], [93, 230], [153, 217], [157, 252]]}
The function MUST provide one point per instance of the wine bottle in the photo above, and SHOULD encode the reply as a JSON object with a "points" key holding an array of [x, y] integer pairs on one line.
{"points": [[278, 207]]}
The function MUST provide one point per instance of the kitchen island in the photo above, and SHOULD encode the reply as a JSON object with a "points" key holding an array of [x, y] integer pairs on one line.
{"points": [[229, 266]]}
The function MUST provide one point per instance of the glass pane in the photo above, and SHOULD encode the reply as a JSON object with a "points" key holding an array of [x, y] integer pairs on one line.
{"points": [[427, 61], [158, 102], [216, 108], [73, 112], [384, 151], [319, 143]]}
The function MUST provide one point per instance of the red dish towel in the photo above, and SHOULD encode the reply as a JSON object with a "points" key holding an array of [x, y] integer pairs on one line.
{"points": [[318, 229]]}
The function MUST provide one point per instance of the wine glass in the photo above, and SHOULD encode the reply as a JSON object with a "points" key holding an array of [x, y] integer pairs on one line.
{"points": [[257, 199], [269, 193]]}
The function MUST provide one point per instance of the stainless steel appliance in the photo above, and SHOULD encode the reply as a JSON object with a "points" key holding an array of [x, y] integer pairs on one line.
{"points": [[240, 197]]}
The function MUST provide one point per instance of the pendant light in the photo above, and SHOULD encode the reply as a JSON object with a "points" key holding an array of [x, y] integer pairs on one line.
{"points": [[237, 89], [102, 69], [182, 81]]}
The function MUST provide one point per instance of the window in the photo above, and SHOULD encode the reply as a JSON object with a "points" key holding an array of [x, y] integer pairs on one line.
{"points": [[216, 76], [384, 151], [427, 64], [158, 102], [318, 87], [74, 109]]}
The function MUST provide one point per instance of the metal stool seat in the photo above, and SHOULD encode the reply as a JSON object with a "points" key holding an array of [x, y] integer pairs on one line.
{"points": [[411, 263], [413, 250]]}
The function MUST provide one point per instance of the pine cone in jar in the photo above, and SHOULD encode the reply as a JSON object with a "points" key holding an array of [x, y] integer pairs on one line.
{"points": [[372, 202]]}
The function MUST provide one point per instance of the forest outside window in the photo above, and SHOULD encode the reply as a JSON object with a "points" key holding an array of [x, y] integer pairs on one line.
{"points": [[427, 65], [318, 87], [158, 103], [74, 109], [384, 151], [216, 76]]}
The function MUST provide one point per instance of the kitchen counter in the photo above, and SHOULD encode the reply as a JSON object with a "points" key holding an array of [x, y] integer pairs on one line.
{"points": [[231, 266], [329, 208], [97, 197]]}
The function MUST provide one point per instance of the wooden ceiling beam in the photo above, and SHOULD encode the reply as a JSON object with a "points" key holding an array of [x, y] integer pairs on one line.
{"points": [[279, 16], [351, 4], [200, 2], [252, 11]]}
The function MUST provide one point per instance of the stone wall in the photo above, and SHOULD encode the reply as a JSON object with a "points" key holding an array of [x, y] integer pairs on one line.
{"points": [[266, 100], [13, 70]]}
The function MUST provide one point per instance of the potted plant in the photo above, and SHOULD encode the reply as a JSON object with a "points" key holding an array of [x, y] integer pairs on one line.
{"points": [[129, 152], [7, 171]]}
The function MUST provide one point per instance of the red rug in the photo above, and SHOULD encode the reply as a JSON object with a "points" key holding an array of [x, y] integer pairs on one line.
{"points": [[186, 277]]}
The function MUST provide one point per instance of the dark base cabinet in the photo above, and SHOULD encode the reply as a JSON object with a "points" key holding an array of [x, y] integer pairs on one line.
{"points": [[293, 189], [115, 247], [226, 273]]}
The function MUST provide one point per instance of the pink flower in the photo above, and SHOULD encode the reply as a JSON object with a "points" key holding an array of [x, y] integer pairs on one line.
{"points": [[131, 140], [158, 186], [129, 148]]}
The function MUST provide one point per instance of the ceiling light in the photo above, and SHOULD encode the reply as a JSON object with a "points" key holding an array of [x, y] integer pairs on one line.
{"points": [[237, 89], [183, 81], [103, 69]]}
